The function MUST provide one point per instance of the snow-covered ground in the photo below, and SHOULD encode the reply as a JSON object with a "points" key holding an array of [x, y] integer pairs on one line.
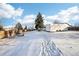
{"points": [[41, 43]]}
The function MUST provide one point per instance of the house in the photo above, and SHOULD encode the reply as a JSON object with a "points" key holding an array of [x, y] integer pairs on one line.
{"points": [[25, 29], [57, 27], [2, 34], [10, 32]]}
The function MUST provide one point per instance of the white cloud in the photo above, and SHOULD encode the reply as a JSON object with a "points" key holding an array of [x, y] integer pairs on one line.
{"points": [[47, 22], [76, 17], [52, 18], [62, 16], [28, 19], [66, 15], [8, 11]]}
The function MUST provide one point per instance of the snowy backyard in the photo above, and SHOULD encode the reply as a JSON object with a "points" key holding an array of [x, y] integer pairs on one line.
{"points": [[40, 43]]}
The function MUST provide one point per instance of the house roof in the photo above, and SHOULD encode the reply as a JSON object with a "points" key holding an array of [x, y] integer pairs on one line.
{"points": [[64, 23]]}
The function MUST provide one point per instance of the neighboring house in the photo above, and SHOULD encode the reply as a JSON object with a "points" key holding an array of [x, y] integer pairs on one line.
{"points": [[57, 27], [10, 32], [2, 34]]}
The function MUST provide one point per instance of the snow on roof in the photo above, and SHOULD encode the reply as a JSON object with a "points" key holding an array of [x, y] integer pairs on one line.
{"points": [[8, 27], [59, 24]]}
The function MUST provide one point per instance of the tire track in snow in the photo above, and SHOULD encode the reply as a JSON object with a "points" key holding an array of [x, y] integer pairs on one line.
{"points": [[48, 47]]}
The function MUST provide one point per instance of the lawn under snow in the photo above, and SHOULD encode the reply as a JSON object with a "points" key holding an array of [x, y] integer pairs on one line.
{"points": [[41, 43]]}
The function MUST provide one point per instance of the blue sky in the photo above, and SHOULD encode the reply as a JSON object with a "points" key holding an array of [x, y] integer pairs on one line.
{"points": [[44, 8], [47, 9]]}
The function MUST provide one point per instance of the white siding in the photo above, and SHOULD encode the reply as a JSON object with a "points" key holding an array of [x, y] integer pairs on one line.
{"points": [[57, 27], [48, 27]]}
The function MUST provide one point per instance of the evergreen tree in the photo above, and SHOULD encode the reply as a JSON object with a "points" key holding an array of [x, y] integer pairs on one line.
{"points": [[18, 26], [56, 22], [39, 24], [1, 27], [25, 27]]}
